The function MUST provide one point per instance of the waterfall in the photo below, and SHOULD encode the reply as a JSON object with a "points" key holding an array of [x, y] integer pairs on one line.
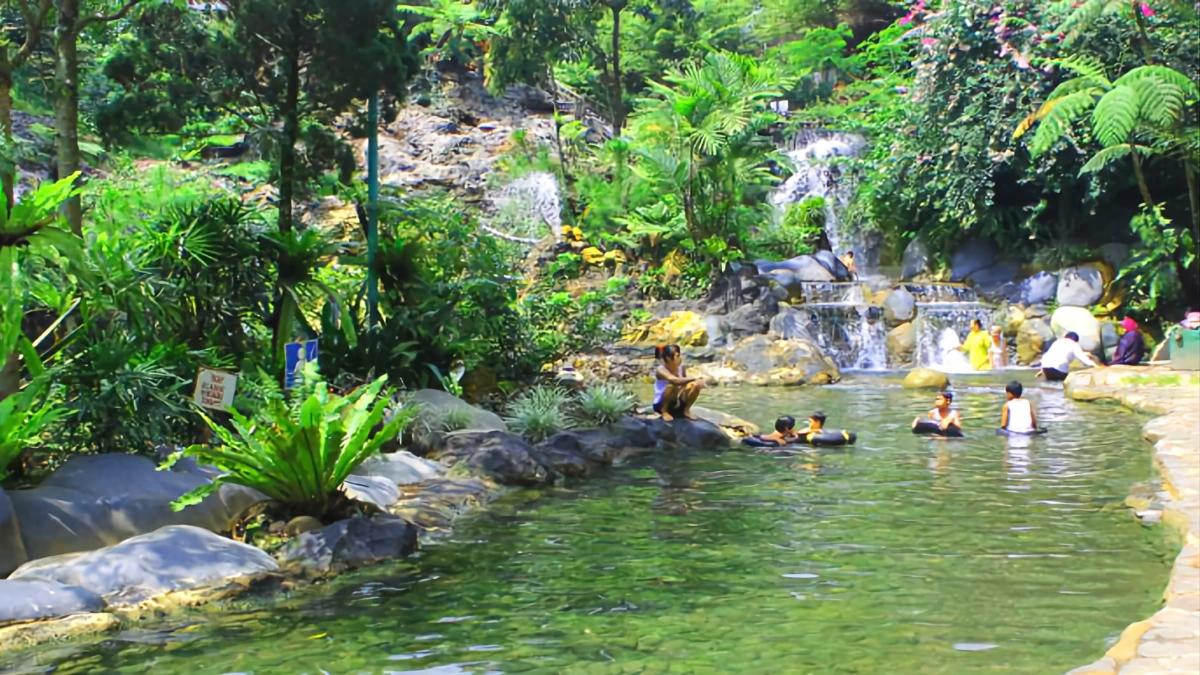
{"points": [[846, 328], [529, 205], [814, 154], [943, 324]]}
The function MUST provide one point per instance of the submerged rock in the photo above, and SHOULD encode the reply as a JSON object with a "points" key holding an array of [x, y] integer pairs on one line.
{"points": [[100, 500], [174, 559], [12, 550], [350, 543], [506, 458], [925, 378], [32, 600], [732, 425]]}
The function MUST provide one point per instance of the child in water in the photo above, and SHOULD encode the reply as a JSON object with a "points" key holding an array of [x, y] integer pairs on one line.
{"points": [[674, 391], [1017, 415], [996, 352], [785, 431], [816, 422], [942, 414]]}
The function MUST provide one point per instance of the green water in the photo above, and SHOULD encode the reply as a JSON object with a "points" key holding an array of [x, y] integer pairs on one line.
{"points": [[899, 555]]}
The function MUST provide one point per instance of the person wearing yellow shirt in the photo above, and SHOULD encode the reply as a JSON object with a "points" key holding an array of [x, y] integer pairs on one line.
{"points": [[977, 345]]}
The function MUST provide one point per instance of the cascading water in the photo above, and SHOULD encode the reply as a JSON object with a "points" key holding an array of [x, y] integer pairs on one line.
{"points": [[944, 315], [847, 329], [818, 174]]}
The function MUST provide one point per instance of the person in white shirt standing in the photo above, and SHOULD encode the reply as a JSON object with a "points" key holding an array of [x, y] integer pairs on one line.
{"points": [[1057, 360], [1017, 417]]}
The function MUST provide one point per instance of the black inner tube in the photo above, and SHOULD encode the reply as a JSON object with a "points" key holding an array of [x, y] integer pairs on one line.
{"points": [[823, 437], [928, 427], [1035, 432]]}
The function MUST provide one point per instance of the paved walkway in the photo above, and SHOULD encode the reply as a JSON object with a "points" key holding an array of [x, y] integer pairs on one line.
{"points": [[1169, 641]]}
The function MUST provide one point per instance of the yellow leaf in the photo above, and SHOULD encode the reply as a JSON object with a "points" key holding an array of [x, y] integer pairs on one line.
{"points": [[318, 636]]}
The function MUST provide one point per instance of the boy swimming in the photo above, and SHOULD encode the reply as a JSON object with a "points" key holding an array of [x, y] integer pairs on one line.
{"points": [[942, 414], [785, 431], [674, 391], [816, 422], [1017, 416]]}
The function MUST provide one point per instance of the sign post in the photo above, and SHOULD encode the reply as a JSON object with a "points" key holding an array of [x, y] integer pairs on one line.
{"points": [[214, 389]]}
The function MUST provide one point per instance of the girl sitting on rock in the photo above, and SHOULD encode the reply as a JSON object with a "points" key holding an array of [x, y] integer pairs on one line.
{"points": [[674, 391]]}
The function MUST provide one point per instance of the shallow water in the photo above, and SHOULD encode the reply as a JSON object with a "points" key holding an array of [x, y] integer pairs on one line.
{"points": [[898, 555]]}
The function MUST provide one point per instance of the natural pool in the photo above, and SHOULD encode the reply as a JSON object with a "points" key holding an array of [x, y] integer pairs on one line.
{"points": [[898, 555]]}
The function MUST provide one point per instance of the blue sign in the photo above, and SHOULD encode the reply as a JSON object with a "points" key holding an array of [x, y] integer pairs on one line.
{"points": [[295, 355]]}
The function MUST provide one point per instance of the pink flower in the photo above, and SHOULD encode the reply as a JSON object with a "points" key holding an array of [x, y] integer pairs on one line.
{"points": [[907, 18], [1147, 11], [928, 42]]}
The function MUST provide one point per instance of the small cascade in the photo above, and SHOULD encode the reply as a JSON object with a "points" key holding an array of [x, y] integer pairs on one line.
{"points": [[846, 328], [817, 174], [941, 327]]}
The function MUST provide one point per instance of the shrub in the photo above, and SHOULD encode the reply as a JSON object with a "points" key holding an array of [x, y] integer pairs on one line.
{"points": [[299, 454], [604, 403], [539, 413], [24, 419]]}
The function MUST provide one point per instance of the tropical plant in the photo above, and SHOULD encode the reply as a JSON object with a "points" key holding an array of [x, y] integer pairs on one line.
{"points": [[539, 413], [25, 418], [604, 403], [300, 454]]}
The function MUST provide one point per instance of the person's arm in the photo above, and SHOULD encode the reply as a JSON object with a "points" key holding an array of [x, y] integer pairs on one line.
{"points": [[1033, 416], [663, 374], [1083, 357], [952, 418], [1004, 417]]}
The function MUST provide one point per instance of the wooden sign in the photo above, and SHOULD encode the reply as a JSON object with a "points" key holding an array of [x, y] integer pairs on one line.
{"points": [[214, 389]]}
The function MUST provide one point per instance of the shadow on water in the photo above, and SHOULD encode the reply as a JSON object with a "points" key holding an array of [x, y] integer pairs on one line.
{"points": [[900, 554]]}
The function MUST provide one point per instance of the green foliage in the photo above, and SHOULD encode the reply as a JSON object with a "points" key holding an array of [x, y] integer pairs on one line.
{"points": [[539, 413], [799, 232], [25, 419], [602, 403], [1151, 276], [300, 455]]}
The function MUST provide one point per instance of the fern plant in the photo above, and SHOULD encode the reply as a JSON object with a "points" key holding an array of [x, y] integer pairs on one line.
{"points": [[299, 454], [539, 413], [1144, 112], [604, 403], [24, 419]]}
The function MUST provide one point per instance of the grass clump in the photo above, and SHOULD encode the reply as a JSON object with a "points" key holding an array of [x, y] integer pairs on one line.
{"points": [[539, 413], [604, 403]]}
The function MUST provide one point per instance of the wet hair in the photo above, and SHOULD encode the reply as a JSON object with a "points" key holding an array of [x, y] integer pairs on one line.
{"points": [[1072, 336], [850, 253], [948, 395], [1015, 389], [785, 423], [818, 416], [664, 352]]}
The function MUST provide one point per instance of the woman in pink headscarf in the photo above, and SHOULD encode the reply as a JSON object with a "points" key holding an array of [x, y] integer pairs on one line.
{"points": [[1132, 347]]}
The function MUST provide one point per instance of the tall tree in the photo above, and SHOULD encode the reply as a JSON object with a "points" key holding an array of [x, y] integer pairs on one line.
{"points": [[13, 55], [69, 24]]}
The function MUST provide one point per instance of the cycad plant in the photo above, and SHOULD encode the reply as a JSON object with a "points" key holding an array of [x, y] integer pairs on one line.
{"points": [[300, 452]]}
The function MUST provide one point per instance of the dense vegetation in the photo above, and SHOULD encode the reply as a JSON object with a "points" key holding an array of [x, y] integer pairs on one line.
{"points": [[1051, 127]]}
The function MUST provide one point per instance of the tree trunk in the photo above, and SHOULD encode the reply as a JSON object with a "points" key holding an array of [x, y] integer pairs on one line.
{"points": [[1141, 177], [291, 131], [618, 94], [7, 173], [66, 103]]}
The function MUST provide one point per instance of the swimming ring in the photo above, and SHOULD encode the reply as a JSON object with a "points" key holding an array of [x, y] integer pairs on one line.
{"points": [[931, 428], [1006, 432], [823, 437]]}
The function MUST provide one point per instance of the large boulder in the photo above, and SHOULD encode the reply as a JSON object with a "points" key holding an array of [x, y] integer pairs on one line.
{"points": [[901, 343], [178, 558], [501, 456], [402, 468], [99, 500], [566, 453], [1038, 289], [925, 378], [995, 275], [374, 490], [33, 600], [1078, 320], [12, 550], [1115, 254], [789, 324], [899, 306], [801, 268], [732, 425], [1032, 337], [1080, 286], [784, 362], [974, 255], [833, 264], [684, 328], [695, 434], [749, 319], [435, 405], [917, 260]]}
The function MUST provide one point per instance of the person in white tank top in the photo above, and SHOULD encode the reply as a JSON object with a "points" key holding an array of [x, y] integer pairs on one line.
{"points": [[1018, 416], [674, 391]]}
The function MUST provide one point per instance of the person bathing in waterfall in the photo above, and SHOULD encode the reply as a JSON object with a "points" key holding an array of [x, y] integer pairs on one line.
{"points": [[942, 414], [674, 391], [996, 353], [976, 346], [1017, 416], [848, 261]]}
